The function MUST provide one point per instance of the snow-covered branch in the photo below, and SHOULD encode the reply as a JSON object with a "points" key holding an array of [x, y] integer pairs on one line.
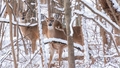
{"points": [[57, 40], [116, 5], [92, 18], [41, 37], [101, 25], [94, 10], [60, 9], [4, 20], [71, 24]]}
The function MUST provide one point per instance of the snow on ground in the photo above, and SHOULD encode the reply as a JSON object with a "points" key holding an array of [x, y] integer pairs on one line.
{"points": [[33, 60]]}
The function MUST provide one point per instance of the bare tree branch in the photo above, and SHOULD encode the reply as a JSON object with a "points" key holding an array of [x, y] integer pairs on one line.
{"points": [[101, 25], [11, 37], [4, 20], [101, 15]]}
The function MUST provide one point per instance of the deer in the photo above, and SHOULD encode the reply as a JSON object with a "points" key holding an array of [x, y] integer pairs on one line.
{"points": [[55, 30], [31, 32]]}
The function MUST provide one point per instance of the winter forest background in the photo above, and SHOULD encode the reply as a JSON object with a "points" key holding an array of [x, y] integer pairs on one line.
{"points": [[99, 21]]}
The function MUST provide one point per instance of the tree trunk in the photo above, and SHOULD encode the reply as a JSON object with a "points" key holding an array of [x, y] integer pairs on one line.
{"points": [[9, 10], [71, 60], [49, 9]]}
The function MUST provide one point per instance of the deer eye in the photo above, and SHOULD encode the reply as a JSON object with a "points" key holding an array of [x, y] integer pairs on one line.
{"points": [[46, 20], [52, 20], [23, 18]]}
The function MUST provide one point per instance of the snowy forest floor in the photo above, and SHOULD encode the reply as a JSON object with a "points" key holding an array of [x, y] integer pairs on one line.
{"points": [[97, 59]]}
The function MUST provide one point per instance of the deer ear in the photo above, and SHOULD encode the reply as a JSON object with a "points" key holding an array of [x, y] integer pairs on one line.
{"points": [[43, 17], [20, 11], [46, 19], [56, 16]]}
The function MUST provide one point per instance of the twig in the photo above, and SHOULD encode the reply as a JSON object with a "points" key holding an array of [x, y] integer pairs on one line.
{"points": [[104, 29], [11, 37], [101, 15], [112, 10], [2, 10], [32, 58], [3, 20]]}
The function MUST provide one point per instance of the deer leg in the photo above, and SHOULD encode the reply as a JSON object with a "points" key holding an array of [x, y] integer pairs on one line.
{"points": [[60, 50], [33, 46], [51, 54]]}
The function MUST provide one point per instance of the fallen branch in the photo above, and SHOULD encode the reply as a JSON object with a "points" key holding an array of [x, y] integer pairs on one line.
{"points": [[61, 41], [4, 20]]}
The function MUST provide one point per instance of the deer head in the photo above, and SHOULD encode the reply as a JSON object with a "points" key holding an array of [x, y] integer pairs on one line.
{"points": [[53, 28], [22, 15]]}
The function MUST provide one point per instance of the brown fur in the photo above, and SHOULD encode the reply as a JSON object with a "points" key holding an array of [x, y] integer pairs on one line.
{"points": [[58, 32], [31, 32]]}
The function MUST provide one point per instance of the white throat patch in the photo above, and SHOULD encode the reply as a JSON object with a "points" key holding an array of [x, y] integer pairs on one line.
{"points": [[50, 27]]}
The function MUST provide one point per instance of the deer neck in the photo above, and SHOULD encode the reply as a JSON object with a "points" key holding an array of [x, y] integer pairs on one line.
{"points": [[51, 32]]}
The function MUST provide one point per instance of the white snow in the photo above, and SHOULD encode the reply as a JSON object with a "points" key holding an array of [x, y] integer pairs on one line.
{"points": [[4, 20], [91, 30], [100, 14], [47, 40], [71, 24], [41, 36], [116, 5]]}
